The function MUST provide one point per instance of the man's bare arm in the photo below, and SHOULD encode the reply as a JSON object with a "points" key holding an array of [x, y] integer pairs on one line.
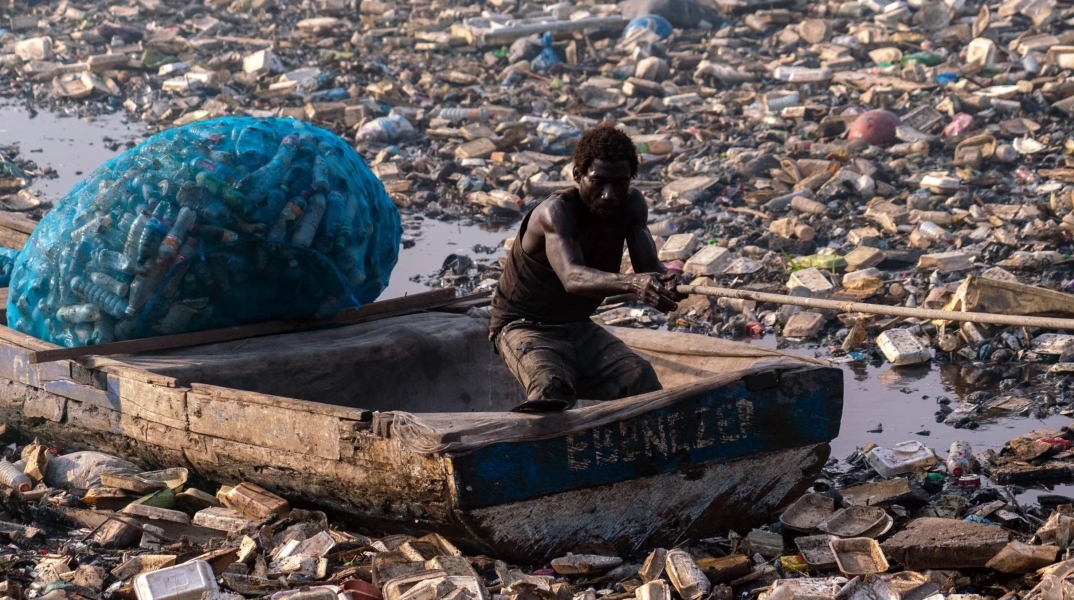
{"points": [[556, 223], [564, 253], [643, 255]]}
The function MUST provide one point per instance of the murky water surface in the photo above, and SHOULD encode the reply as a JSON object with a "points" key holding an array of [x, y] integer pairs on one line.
{"points": [[883, 404]]}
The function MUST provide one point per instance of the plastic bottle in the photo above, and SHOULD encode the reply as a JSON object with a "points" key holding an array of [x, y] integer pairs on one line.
{"points": [[307, 227], [933, 231], [208, 208], [104, 330], [386, 129], [329, 95], [152, 235], [134, 233], [456, 115], [182, 264], [776, 103], [251, 144], [333, 213], [115, 261], [217, 187], [170, 245], [79, 313], [105, 300], [958, 459], [14, 478], [94, 225], [801, 74], [346, 229], [271, 175], [145, 285], [664, 228], [216, 234], [320, 174], [203, 164], [291, 212], [803, 204]]}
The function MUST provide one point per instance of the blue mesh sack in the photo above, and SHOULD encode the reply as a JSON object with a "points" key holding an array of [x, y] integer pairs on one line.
{"points": [[214, 224]]}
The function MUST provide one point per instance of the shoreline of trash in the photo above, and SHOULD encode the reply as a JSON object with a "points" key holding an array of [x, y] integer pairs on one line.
{"points": [[867, 151]]}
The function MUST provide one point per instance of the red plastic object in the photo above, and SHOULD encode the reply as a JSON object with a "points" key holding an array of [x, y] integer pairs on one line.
{"points": [[357, 589], [960, 123], [876, 127], [754, 330], [1058, 442]]}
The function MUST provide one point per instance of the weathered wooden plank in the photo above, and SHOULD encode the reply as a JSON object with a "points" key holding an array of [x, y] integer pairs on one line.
{"points": [[725, 423], [22, 340], [137, 375], [17, 222], [368, 312], [15, 365], [91, 417], [9, 238], [382, 478], [165, 405], [47, 406], [258, 424], [270, 401]]}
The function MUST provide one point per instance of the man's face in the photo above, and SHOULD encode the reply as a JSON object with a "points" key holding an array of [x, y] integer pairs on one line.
{"points": [[605, 186]]}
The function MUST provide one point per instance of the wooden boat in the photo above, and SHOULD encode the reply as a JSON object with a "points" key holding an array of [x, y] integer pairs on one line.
{"points": [[400, 424]]}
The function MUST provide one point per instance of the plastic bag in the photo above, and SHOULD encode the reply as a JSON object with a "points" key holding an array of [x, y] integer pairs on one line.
{"points": [[214, 224], [82, 470]]}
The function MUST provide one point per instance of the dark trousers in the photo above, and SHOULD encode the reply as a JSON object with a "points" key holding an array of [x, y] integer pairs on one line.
{"points": [[575, 360]]}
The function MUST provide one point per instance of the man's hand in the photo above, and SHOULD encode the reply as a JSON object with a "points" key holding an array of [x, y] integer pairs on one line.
{"points": [[671, 281], [650, 289]]}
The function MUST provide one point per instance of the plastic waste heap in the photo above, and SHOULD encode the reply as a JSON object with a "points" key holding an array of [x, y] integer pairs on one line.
{"points": [[214, 224]]}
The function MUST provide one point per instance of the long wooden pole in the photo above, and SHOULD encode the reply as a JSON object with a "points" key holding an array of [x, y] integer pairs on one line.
{"points": [[881, 309], [368, 312]]}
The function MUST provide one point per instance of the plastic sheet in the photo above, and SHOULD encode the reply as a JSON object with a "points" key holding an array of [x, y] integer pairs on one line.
{"points": [[214, 224]]}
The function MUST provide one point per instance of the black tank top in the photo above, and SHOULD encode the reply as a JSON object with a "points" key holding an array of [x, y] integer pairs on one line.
{"points": [[530, 289]]}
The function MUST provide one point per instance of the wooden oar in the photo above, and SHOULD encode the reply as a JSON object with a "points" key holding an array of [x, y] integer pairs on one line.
{"points": [[881, 309]]}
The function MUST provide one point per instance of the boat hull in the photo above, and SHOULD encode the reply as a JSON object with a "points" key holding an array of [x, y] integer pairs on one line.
{"points": [[659, 511], [722, 459]]}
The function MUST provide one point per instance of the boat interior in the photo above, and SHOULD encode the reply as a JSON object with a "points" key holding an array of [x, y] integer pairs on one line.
{"points": [[430, 362]]}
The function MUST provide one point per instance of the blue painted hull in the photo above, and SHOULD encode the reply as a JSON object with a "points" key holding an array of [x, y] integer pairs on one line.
{"points": [[731, 429]]}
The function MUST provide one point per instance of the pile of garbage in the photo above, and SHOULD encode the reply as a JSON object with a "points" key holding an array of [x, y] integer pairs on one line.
{"points": [[899, 525], [209, 225], [868, 150]]}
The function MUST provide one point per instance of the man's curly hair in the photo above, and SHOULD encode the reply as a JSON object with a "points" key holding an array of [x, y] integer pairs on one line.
{"points": [[605, 142]]}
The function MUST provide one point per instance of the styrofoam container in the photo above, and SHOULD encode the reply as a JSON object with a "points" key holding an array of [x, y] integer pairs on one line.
{"points": [[187, 581], [678, 247], [811, 279], [902, 458], [901, 347], [709, 260]]}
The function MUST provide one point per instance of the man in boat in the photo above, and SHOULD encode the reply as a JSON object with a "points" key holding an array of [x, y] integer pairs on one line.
{"points": [[564, 263]]}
